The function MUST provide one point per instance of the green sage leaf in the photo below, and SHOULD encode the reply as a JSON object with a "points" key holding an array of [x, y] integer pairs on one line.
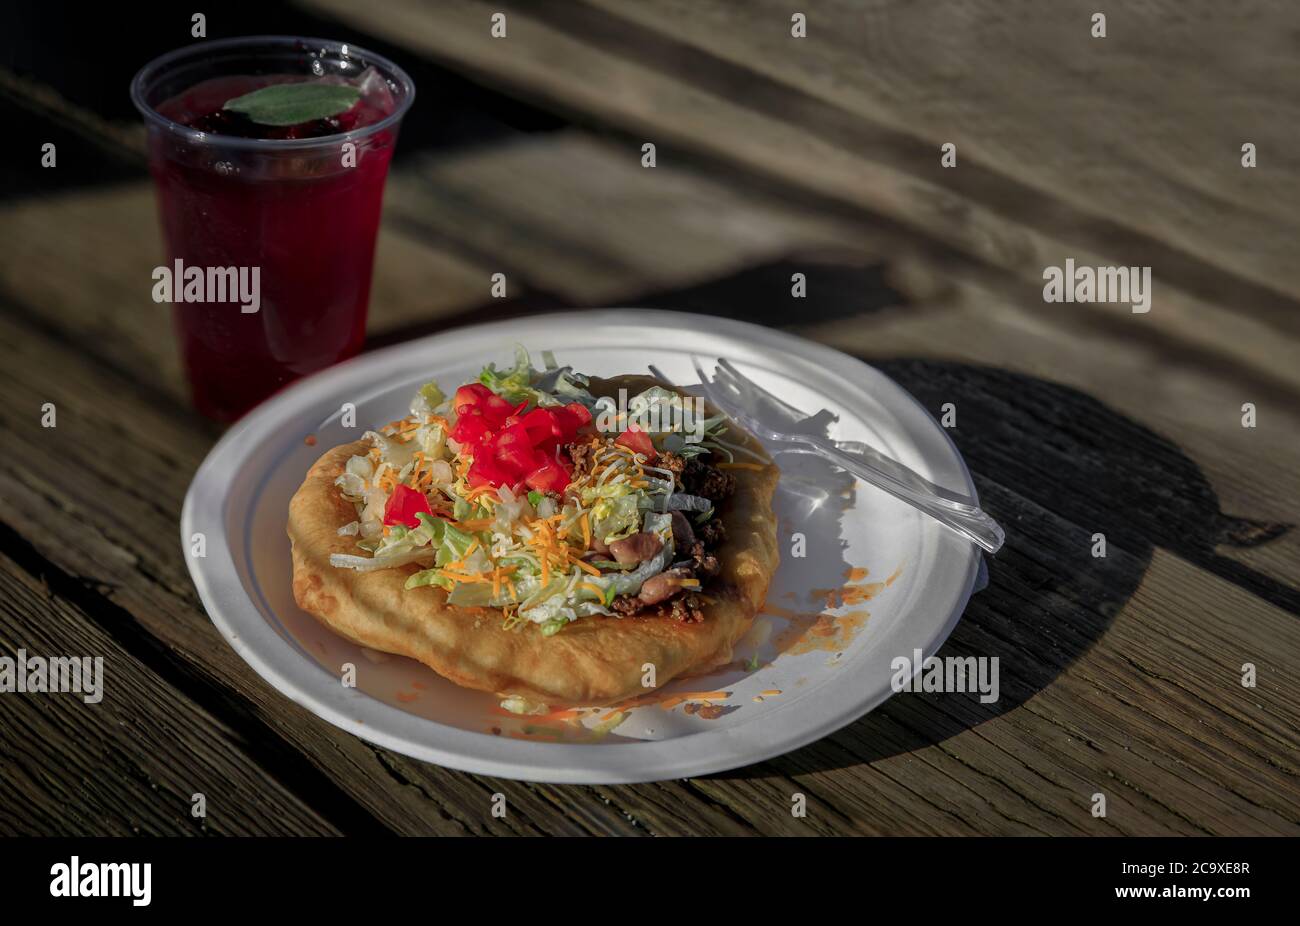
{"points": [[292, 104]]}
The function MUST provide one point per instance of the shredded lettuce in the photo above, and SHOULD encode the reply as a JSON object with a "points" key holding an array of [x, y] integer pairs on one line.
{"points": [[611, 564], [453, 544], [428, 398], [514, 384], [475, 595], [517, 705], [683, 502], [378, 561], [552, 386], [432, 440], [462, 510], [435, 538], [613, 518], [428, 577], [395, 453]]}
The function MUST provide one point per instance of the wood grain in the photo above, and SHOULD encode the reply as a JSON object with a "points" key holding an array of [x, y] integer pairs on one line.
{"points": [[568, 214], [131, 763], [1121, 675], [1255, 473], [691, 77]]}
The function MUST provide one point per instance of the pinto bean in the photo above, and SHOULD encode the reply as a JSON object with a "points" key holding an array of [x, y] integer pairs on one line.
{"points": [[637, 548], [663, 586]]}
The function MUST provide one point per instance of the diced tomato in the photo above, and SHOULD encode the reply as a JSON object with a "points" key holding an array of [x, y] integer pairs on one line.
{"points": [[512, 437], [485, 470], [510, 447], [475, 397], [539, 423], [513, 448], [566, 421], [403, 506], [469, 395], [471, 427], [514, 418], [579, 413], [520, 461], [549, 477], [496, 409], [543, 431], [637, 441]]}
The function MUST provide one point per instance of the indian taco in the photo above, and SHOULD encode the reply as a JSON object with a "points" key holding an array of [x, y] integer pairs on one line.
{"points": [[542, 535]]}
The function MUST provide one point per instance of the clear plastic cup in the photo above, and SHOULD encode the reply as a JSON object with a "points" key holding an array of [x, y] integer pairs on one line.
{"points": [[295, 209]]}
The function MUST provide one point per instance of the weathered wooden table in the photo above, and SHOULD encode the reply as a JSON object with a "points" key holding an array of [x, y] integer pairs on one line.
{"points": [[1121, 675]]}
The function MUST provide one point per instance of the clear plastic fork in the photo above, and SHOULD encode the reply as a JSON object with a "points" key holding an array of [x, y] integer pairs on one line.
{"points": [[742, 400]]}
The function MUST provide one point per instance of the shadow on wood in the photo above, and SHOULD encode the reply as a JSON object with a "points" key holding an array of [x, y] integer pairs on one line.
{"points": [[846, 287], [1060, 471]]}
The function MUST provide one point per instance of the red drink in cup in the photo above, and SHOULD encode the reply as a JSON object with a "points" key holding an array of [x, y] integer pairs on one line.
{"points": [[293, 206]]}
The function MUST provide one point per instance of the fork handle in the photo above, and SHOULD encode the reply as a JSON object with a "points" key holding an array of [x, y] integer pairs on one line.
{"points": [[970, 521]]}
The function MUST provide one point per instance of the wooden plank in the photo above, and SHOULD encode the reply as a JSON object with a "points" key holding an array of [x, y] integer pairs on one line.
{"points": [[995, 212], [1142, 129], [1136, 697], [581, 218], [1241, 483], [132, 762]]}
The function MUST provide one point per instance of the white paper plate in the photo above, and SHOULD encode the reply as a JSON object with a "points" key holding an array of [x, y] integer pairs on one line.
{"points": [[239, 500]]}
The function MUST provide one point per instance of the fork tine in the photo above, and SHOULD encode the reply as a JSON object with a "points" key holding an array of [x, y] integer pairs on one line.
{"points": [[735, 383], [699, 371], [726, 365], [657, 373], [739, 381], [758, 391], [715, 391]]}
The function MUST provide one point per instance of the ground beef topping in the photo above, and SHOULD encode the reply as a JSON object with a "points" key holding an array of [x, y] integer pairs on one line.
{"points": [[707, 481], [687, 608], [583, 456], [712, 532], [703, 563], [696, 477], [694, 542]]}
